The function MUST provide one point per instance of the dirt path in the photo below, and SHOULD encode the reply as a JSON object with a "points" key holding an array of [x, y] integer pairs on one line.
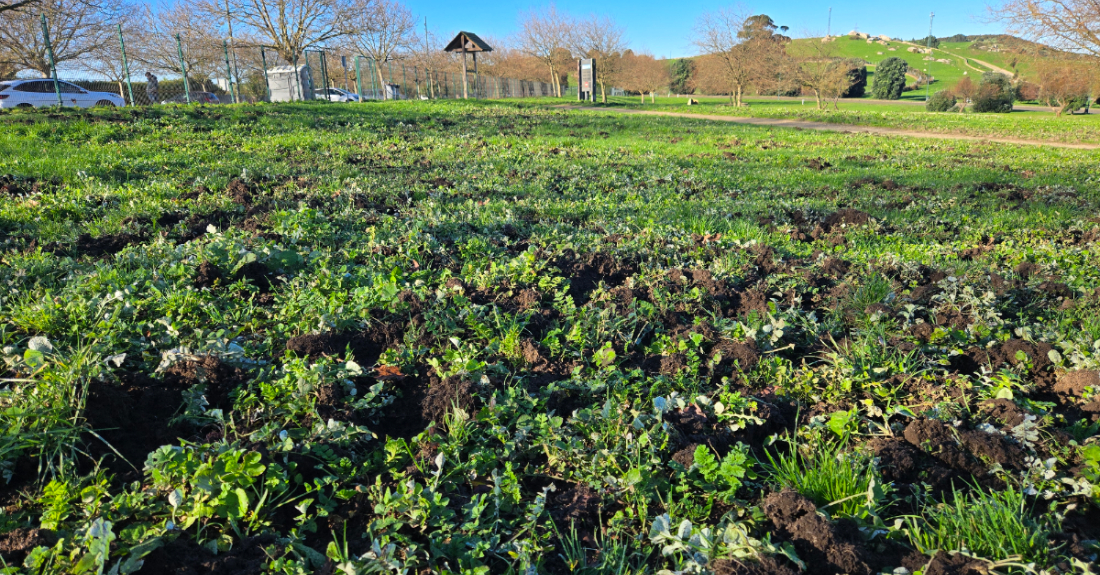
{"points": [[844, 128]]}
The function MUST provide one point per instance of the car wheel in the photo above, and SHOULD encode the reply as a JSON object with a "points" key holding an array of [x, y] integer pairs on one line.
{"points": [[25, 106], [104, 104]]}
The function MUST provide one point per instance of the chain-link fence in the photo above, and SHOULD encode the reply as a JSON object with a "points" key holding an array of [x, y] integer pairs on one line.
{"points": [[152, 68]]}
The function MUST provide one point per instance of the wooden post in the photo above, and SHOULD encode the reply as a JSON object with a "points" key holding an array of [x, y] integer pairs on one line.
{"points": [[477, 79], [465, 93]]}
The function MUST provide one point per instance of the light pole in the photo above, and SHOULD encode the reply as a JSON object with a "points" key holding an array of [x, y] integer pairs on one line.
{"points": [[928, 45]]}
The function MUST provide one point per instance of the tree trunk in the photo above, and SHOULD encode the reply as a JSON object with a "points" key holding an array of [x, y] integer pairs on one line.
{"points": [[817, 94], [739, 90], [603, 92], [381, 81]]}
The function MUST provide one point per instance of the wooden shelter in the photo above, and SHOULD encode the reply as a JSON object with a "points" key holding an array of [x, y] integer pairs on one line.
{"points": [[468, 43]]}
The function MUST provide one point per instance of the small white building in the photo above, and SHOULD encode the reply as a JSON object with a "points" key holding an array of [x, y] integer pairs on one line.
{"points": [[290, 84]]}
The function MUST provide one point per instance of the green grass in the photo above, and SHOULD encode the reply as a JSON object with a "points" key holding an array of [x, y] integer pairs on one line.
{"points": [[997, 526], [843, 482], [1021, 124], [579, 301]]}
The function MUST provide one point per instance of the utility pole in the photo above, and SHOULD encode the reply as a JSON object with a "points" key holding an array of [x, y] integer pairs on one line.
{"points": [[829, 27], [928, 45], [427, 60]]}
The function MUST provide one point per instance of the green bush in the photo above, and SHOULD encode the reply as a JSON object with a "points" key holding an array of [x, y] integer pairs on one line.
{"points": [[857, 79], [890, 78], [942, 101], [995, 94]]}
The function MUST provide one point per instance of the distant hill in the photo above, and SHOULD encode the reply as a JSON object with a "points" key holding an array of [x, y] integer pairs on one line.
{"points": [[957, 56]]}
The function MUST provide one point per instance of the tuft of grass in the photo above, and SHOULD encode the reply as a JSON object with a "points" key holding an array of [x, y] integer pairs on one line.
{"points": [[993, 525], [844, 483]]}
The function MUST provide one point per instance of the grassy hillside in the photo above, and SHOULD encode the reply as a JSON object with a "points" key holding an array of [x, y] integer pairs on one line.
{"points": [[945, 75]]}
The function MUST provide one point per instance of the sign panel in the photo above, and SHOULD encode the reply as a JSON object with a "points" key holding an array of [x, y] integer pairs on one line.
{"points": [[586, 72]]}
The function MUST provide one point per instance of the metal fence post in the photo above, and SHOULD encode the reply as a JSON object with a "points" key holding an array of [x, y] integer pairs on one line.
{"points": [[267, 83], [298, 79], [126, 66], [397, 92], [359, 83], [324, 75], [53, 67], [183, 68], [229, 73], [405, 80]]}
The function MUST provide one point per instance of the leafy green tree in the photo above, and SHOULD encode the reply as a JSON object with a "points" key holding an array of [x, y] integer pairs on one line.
{"points": [[890, 78], [682, 71], [942, 101], [995, 94], [857, 78]]}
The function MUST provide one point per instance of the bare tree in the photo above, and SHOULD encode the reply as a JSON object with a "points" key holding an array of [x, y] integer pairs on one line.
{"points": [[600, 37], [382, 30], [1071, 25], [718, 35], [200, 39], [290, 26], [76, 29], [965, 90], [1064, 87], [6, 5], [823, 72], [544, 35], [644, 74]]}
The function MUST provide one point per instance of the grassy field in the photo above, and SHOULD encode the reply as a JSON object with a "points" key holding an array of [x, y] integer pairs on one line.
{"points": [[1021, 124], [450, 337]]}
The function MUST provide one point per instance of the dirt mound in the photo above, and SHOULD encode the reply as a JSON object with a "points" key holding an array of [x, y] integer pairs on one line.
{"points": [[845, 217], [735, 356], [185, 557], [443, 396], [18, 186], [207, 276], [218, 377], [1036, 353], [818, 541], [585, 274], [104, 245], [753, 300], [133, 416], [955, 564], [577, 504], [1027, 269], [763, 566], [240, 192], [366, 346], [258, 275], [964, 450], [835, 267], [197, 226], [904, 464], [17, 543], [1071, 385]]}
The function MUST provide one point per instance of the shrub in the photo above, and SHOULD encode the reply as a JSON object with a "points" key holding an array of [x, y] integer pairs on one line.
{"points": [[942, 101], [857, 79], [995, 94], [890, 78]]}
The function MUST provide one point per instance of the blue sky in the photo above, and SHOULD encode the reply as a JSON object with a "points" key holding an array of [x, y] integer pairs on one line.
{"points": [[663, 27]]}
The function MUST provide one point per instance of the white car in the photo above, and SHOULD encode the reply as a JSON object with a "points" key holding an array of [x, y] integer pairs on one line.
{"points": [[41, 94], [336, 95]]}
